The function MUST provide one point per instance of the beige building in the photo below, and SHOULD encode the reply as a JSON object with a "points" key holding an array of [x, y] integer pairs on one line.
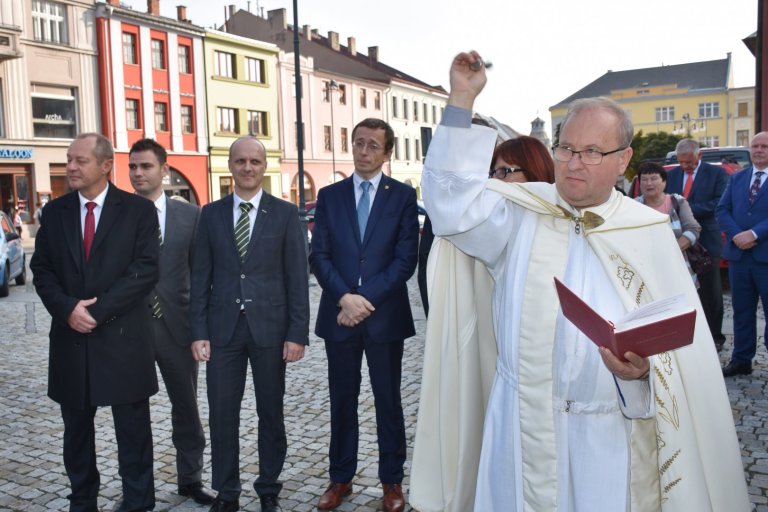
{"points": [[242, 99], [48, 94]]}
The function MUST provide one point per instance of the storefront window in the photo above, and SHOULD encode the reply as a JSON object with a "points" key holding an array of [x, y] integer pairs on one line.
{"points": [[54, 116]]}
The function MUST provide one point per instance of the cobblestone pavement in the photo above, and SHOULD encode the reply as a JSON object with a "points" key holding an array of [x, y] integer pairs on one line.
{"points": [[32, 477]]}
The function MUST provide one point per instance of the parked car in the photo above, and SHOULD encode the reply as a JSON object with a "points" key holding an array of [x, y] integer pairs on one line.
{"points": [[12, 258]]}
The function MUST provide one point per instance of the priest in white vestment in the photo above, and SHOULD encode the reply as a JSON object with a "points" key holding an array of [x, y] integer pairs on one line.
{"points": [[568, 426]]}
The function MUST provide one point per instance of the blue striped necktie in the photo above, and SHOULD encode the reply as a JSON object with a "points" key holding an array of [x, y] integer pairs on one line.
{"points": [[363, 208]]}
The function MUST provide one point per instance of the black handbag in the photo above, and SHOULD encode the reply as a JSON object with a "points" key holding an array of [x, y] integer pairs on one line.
{"points": [[699, 259]]}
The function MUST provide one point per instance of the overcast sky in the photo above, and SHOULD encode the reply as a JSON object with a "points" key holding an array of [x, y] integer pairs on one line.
{"points": [[542, 50]]}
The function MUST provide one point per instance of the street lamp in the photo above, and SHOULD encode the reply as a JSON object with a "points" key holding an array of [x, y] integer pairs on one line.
{"points": [[679, 131], [331, 86]]}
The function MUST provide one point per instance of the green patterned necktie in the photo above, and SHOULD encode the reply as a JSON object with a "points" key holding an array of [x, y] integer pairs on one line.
{"points": [[243, 230], [157, 312]]}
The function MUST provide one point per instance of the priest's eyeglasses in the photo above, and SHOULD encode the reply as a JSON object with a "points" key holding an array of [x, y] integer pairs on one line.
{"points": [[502, 172], [589, 156]]}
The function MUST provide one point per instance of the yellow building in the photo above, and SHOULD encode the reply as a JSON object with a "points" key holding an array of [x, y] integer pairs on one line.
{"points": [[691, 100], [242, 92]]}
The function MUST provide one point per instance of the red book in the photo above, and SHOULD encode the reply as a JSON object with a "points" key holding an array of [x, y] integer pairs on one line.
{"points": [[657, 327]]}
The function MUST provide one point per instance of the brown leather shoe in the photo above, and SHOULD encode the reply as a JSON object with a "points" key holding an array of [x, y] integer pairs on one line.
{"points": [[335, 494], [393, 498]]}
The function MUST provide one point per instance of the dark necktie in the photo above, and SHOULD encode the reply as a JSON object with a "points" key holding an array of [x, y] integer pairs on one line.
{"points": [[89, 231], [243, 230], [157, 311], [363, 208], [755, 188], [688, 183]]}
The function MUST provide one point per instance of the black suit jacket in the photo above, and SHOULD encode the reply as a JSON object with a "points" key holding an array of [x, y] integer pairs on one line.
{"points": [[385, 259], [172, 288], [707, 189], [272, 282], [115, 363]]}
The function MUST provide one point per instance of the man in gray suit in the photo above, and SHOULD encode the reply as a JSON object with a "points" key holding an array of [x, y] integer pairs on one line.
{"points": [[168, 304], [249, 302]]}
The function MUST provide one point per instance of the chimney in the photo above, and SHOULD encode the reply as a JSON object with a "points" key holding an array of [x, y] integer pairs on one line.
{"points": [[181, 12], [231, 9], [373, 53], [277, 18], [352, 45], [333, 39], [153, 7], [308, 32]]}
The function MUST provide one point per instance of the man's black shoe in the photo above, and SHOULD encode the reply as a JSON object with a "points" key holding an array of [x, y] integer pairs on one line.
{"points": [[220, 505], [737, 369], [270, 503], [197, 493]]}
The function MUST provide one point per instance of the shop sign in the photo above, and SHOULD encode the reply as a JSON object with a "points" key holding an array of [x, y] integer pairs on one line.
{"points": [[16, 153]]}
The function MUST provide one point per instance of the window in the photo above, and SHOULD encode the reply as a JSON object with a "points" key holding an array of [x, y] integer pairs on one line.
{"points": [[132, 119], [434, 114], [415, 110], [187, 126], [184, 66], [709, 110], [363, 98], [397, 149], [417, 142], [129, 48], [49, 21], [344, 141], [327, 138], [296, 134], [442, 113], [665, 114], [2, 114], [709, 142], [342, 94], [742, 137], [377, 100], [161, 117], [405, 108], [224, 64], [743, 109], [225, 185], [158, 54], [326, 91], [226, 120], [407, 149], [394, 107], [54, 115], [426, 113], [257, 123], [254, 70]]}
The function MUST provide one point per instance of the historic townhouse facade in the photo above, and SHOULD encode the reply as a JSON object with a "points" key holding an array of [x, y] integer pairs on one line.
{"points": [[242, 96], [152, 85], [48, 94]]}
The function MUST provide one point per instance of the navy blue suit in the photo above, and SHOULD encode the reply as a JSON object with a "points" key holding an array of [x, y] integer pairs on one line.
{"points": [[748, 270], [707, 189], [378, 268]]}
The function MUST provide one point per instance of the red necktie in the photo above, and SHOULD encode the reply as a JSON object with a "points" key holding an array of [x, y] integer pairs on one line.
{"points": [[90, 230], [688, 184]]}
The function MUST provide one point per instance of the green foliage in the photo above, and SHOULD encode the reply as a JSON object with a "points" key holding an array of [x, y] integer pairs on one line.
{"points": [[653, 146]]}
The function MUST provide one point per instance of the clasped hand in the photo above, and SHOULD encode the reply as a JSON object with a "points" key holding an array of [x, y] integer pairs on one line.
{"points": [[80, 318], [354, 309]]}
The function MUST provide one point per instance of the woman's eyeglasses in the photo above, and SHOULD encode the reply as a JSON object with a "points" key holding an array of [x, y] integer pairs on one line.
{"points": [[502, 172]]}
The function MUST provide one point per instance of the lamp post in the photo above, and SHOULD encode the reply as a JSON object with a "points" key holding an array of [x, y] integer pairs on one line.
{"points": [[299, 123], [332, 85], [679, 131]]}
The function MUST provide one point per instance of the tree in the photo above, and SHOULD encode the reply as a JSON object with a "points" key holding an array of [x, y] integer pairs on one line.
{"points": [[651, 147]]}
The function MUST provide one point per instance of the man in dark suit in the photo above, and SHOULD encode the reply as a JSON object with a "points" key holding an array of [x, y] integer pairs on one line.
{"points": [[364, 249], [250, 301], [95, 261], [703, 184], [168, 305], [743, 214]]}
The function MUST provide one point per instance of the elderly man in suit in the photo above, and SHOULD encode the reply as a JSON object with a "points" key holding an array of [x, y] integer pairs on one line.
{"points": [[364, 249], [249, 302], [95, 261], [703, 184], [168, 305], [743, 214]]}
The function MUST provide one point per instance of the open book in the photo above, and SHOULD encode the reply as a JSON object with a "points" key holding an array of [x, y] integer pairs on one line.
{"points": [[662, 325]]}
